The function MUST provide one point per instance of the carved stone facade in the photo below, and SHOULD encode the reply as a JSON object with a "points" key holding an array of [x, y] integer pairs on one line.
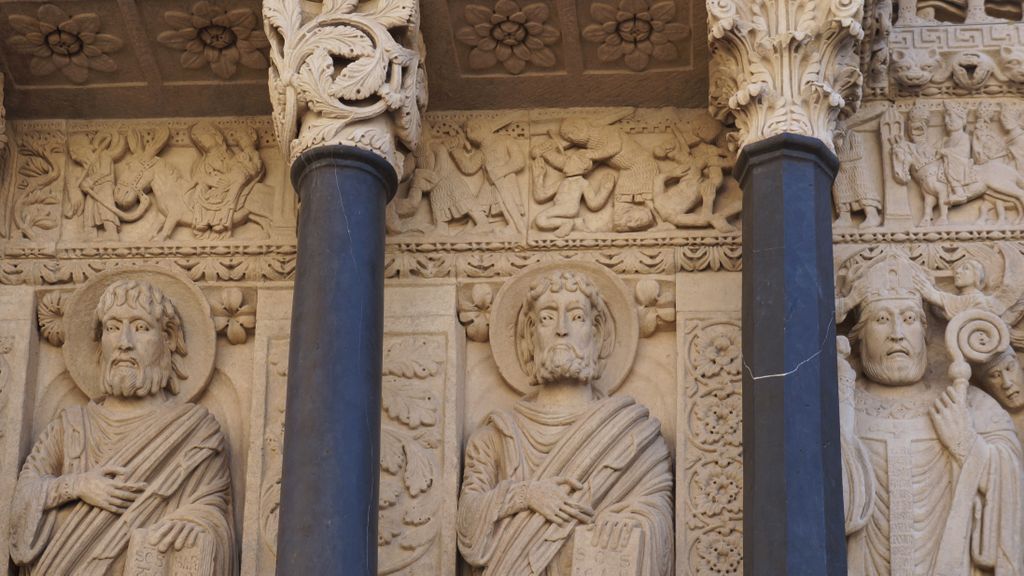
{"points": [[624, 219]]}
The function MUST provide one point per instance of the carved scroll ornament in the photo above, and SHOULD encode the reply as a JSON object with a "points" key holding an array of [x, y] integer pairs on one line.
{"points": [[349, 75], [784, 65]]}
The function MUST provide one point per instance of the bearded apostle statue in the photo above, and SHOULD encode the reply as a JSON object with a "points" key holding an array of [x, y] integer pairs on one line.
{"points": [[569, 475], [136, 479], [932, 466]]}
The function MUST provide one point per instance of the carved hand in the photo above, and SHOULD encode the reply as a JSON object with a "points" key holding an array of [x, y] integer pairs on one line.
{"points": [[174, 532], [952, 421], [104, 488], [614, 529], [551, 499]]}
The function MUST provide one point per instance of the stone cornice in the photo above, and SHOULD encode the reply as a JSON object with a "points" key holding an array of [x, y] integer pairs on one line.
{"points": [[784, 65], [350, 74]]}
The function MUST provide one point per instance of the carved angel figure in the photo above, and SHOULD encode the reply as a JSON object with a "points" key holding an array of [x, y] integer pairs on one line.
{"points": [[568, 468], [932, 468], [133, 474]]}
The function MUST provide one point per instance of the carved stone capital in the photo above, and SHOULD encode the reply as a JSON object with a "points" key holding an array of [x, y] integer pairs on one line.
{"points": [[784, 65], [349, 73]]}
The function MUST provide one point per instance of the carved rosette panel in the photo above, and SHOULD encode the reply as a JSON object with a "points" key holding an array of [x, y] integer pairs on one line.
{"points": [[348, 73], [712, 461], [784, 65]]}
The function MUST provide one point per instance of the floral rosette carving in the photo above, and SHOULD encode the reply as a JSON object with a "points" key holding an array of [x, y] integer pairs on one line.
{"points": [[713, 456], [784, 65], [350, 74]]}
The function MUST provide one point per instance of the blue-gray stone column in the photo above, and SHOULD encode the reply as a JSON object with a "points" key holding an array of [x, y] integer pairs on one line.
{"points": [[331, 462], [792, 479]]}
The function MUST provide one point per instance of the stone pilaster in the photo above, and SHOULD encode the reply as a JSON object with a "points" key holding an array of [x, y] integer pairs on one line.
{"points": [[347, 86]]}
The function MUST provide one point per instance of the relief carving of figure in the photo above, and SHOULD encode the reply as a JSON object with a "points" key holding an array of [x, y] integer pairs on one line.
{"points": [[224, 174], [501, 160], [852, 191], [568, 469], [932, 468], [636, 169], [694, 160], [561, 179], [137, 475], [948, 176], [441, 173], [93, 196]]}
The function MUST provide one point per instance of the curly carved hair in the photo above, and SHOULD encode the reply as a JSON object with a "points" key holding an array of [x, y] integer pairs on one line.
{"points": [[150, 299], [526, 323]]}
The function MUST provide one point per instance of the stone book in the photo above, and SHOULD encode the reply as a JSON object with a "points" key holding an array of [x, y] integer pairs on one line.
{"points": [[144, 559], [591, 559]]}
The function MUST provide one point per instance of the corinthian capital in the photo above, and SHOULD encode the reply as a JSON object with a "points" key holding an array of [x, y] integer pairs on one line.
{"points": [[784, 65], [349, 72]]}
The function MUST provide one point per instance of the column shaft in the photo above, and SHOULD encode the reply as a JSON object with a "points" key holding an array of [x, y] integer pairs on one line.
{"points": [[793, 497], [328, 514]]}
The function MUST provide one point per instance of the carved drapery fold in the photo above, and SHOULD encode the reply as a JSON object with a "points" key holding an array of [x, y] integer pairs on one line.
{"points": [[350, 74], [784, 65]]}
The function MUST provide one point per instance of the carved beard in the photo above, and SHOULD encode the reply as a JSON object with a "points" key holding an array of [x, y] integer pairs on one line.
{"points": [[896, 370], [136, 381], [563, 361]]}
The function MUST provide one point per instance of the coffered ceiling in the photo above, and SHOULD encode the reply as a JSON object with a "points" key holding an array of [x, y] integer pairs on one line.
{"points": [[137, 58]]}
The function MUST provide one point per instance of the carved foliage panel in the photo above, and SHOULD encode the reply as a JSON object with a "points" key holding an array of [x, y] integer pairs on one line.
{"points": [[419, 447]]}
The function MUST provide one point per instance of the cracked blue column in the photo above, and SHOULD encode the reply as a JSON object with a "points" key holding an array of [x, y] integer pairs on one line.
{"points": [[785, 101], [347, 141]]}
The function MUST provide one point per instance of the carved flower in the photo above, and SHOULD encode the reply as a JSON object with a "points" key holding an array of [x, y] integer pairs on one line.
{"points": [[475, 314], [57, 41], [718, 489], [232, 316], [508, 34], [216, 36], [720, 552], [719, 421], [51, 317], [717, 351], [635, 30]]}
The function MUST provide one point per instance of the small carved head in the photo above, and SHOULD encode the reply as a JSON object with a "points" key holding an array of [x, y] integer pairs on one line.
{"points": [[955, 117], [1003, 378], [914, 68], [917, 122], [244, 137], [576, 131], [141, 340], [1010, 117], [206, 136], [1012, 58], [969, 273], [891, 324], [80, 148], [564, 331]]}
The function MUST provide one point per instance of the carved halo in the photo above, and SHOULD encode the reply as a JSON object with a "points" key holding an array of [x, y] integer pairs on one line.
{"points": [[82, 349], [510, 300]]}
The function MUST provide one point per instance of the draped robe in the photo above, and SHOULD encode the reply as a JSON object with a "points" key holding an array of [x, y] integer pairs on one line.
{"points": [[177, 449], [912, 510], [612, 446]]}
